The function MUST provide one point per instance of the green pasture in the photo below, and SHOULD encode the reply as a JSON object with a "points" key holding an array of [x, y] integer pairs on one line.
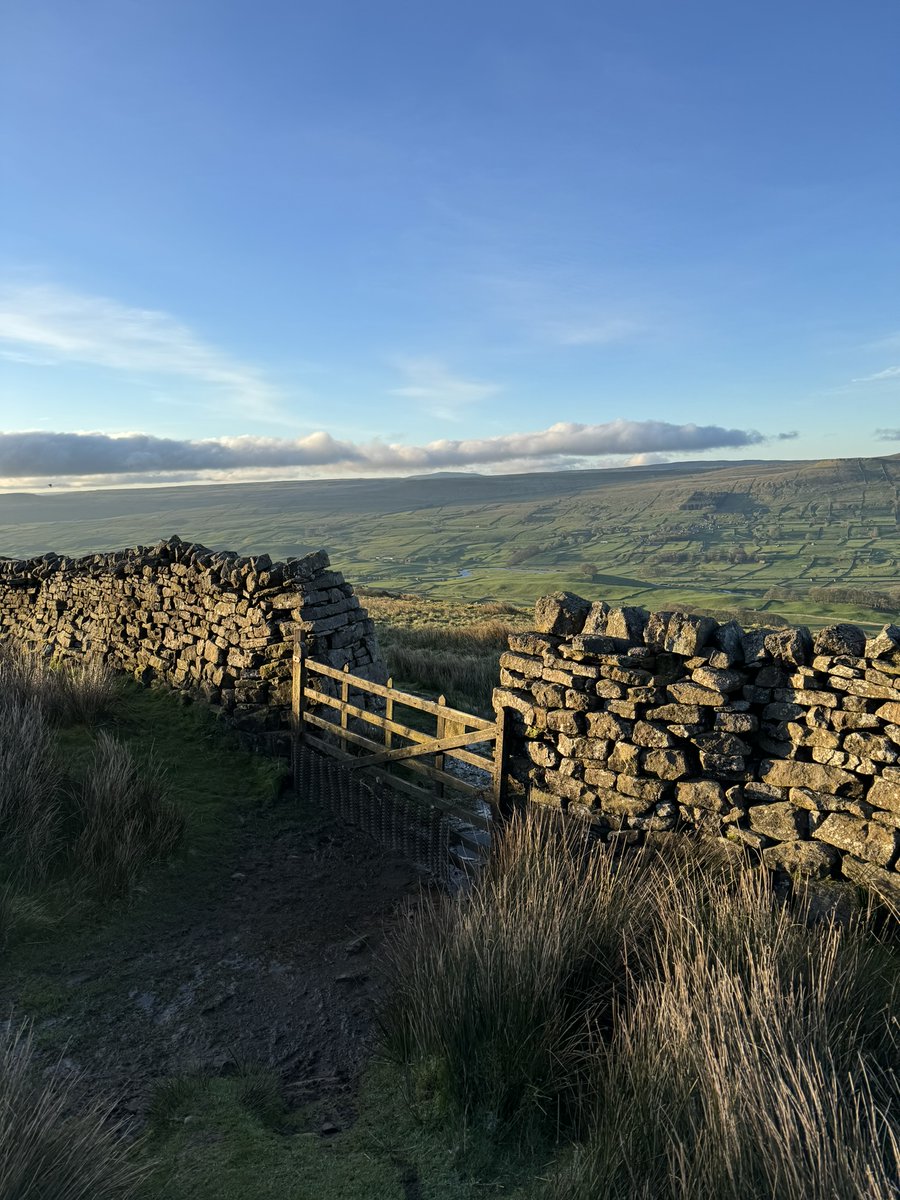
{"points": [[725, 537]]}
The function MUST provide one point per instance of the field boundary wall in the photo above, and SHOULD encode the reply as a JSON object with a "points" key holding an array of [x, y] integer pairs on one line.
{"points": [[774, 740], [210, 622]]}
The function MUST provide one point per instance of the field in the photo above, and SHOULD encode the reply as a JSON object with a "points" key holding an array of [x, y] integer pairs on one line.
{"points": [[807, 541]]}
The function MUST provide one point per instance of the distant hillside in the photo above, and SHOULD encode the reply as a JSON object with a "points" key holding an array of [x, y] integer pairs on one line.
{"points": [[810, 540]]}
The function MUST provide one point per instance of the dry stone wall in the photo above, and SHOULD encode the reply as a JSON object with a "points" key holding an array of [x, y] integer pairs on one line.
{"points": [[209, 622], [769, 739]]}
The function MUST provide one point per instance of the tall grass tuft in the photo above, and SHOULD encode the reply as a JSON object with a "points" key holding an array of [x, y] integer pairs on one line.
{"points": [[68, 692], [124, 817], [753, 1057], [30, 778], [51, 1146], [697, 1037], [493, 992]]}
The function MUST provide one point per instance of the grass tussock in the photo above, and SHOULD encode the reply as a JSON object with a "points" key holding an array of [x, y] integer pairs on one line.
{"points": [[493, 992], [124, 817], [690, 1036], [30, 786], [52, 1146], [68, 692], [93, 822]]}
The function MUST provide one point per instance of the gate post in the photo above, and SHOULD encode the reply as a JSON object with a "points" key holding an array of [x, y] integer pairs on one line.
{"points": [[298, 683], [500, 782]]}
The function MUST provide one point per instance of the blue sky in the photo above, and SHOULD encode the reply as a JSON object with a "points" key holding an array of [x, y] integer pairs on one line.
{"points": [[326, 236]]}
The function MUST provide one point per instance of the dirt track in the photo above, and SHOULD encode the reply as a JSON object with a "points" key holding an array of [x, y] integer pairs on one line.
{"points": [[278, 966]]}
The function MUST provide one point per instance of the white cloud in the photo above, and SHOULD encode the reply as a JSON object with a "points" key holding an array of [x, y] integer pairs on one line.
{"points": [[58, 325], [887, 373], [60, 456], [437, 389]]}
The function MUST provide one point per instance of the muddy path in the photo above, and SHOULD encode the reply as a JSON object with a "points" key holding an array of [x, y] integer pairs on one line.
{"points": [[274, 961]]}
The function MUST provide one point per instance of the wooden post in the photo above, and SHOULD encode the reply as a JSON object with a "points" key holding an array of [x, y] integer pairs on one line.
{"points": [[389, 715], [297, 685], [345, 699], [439, 758], [500, 789]]}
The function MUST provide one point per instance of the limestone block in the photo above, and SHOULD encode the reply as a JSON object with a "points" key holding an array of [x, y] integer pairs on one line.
{"points": [[702, 793], [679, 633], [549, 695], [595, 621], [814, 859], [624, 759], [562, 613], [885, 644], [651, 734], [885, 793], [565, 721], [608, 725], [853, 720], [666, 764], [827, 802], [792, 645], [884, 884], [872, 746], [533, 644], [787, 773], [649, 790], [599, 777], [627, 624], [783, 822], [840, 639], [583, 747], [689, 693], [541, 754], [863, 839]]}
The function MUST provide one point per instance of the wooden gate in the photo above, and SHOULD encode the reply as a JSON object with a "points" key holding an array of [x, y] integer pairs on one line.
{"points": [[333, 717]]}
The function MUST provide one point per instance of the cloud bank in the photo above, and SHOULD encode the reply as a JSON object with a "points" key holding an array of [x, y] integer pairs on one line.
{"points": [[43, 455]]}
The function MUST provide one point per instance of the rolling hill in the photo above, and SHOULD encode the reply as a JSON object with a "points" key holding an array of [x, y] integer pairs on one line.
{"points": [[813, 541]]}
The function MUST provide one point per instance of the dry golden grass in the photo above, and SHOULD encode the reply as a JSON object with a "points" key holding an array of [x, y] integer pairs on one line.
{"points": [[444, 648], [694, 1037]]}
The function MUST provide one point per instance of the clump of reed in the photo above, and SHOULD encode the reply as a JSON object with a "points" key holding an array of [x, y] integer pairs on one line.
{"points": [[52, 1145], [95, 825], [683, 1031], [67, 691], [124, 818]]}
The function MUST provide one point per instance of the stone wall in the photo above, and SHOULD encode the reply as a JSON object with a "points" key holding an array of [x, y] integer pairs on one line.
{"points": [[769, 739], [209, 622]]}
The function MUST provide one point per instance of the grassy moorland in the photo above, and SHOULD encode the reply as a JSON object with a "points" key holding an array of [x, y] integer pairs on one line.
{"points": [[581, 1023], [810, 541]]}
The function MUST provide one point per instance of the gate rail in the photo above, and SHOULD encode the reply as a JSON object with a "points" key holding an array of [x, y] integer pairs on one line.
{"points": [[395, 746]]}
